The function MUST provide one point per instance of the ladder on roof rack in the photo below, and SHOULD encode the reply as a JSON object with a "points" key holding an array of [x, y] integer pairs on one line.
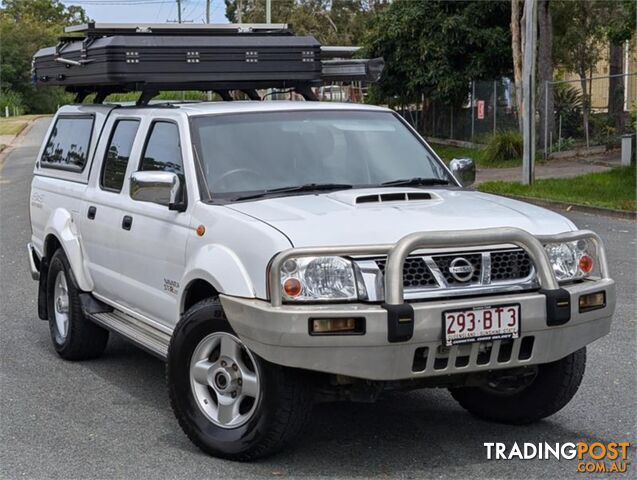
{"points": [[92, 30]]}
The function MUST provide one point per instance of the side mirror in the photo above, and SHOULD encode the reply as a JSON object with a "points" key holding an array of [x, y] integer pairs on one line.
{"points": [[164, 188], [464, 170]]}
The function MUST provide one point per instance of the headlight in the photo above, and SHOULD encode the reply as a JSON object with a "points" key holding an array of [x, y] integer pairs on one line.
{"points": [[319, 278], [570, 260]]}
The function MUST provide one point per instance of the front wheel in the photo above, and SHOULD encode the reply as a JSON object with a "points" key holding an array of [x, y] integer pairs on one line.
{"points": [[230, 402], [74, 336], [526, 397]]}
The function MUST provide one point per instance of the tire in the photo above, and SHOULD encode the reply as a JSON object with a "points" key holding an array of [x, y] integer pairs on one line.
{"points": [[277, 408], [74, 336], [552, 388]]}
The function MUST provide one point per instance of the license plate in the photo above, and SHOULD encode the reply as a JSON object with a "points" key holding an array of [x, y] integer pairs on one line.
{"points": [[481, 324]]}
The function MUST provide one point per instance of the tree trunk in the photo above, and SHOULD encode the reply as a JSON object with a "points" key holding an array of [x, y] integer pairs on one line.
{"points": [[239, 13], [517, 35], [586, 103], [516, 47], [545, 73], [616, 87]]}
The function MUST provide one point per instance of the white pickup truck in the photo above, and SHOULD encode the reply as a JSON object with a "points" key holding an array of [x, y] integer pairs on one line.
{"points": [[281, 253]]}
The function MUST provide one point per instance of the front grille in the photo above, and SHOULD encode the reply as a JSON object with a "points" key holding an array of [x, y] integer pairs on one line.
{"points": [[416, 274], [444, 263], [504, 266], [510, 265]]}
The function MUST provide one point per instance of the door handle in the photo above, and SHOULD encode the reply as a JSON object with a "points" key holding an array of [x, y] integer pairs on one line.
{"points": [[91, 212], [127, 222]]}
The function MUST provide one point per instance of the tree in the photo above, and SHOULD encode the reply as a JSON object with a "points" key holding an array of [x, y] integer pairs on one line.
{"points": [[436, 48], [579, 40], [332, 22], [25, 27], [620, 28]]}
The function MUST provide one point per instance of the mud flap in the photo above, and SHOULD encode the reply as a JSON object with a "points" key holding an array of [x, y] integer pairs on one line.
{"points": [[42, 287]]}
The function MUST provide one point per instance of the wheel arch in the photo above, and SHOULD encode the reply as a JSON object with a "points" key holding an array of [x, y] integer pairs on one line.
{"points": [[214, 269], [197, 290], [61, 232]]}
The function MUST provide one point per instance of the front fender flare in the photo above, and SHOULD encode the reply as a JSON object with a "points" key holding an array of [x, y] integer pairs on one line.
{"points": [[62, 226], [222, 268]]}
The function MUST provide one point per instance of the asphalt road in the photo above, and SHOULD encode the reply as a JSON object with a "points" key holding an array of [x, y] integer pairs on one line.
{"points": [[111, 417]]}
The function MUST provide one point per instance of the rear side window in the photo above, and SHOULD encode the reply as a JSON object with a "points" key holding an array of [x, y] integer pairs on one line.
{"points": [[117, 154], [163, 151], [69, 143]]}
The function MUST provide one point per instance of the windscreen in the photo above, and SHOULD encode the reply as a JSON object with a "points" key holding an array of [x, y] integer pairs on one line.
{"points": [[253, 152]]}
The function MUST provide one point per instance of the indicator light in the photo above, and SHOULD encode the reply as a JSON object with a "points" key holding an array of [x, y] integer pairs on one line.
{"points": [[586, 264], [292, 287]]}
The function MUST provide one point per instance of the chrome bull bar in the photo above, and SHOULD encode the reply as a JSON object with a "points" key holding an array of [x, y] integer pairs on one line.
{"points": [[398, 252]]}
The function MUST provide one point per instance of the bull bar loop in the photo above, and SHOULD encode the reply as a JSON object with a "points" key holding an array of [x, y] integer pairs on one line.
{"points": [[398, 252]]}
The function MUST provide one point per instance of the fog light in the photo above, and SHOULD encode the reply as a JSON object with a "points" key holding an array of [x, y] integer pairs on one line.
{"points": [[592, 301], [323, 326]]}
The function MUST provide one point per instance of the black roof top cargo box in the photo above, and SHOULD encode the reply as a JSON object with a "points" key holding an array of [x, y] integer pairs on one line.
{"points": [[110, 58]]}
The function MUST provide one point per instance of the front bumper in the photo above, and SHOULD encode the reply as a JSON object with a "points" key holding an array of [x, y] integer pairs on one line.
{"points": [[280, 334]]}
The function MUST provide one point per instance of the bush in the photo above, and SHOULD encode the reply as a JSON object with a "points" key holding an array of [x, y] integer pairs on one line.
{"points": [[504, 146], [562, 144], [11, 99], [568, 107]]}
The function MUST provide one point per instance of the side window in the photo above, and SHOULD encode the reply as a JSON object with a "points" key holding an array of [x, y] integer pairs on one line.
{"points": [[117, 154], [163, 151], [69, 143]]}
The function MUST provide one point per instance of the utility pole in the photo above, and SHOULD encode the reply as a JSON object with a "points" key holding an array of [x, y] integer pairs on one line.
{"points": [[268, 11], [178, 11], [528, 91], [208, 93], [239, 10]]}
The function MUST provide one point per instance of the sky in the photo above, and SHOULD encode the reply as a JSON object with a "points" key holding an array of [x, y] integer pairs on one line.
{"points": [[150, 11]]}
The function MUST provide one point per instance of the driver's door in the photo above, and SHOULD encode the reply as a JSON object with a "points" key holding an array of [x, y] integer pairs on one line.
{"points": [[153, 247]]}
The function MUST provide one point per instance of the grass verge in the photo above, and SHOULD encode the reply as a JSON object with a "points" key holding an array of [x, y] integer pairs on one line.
{"points": [[612, 189], [449, 152], [14, 125]]}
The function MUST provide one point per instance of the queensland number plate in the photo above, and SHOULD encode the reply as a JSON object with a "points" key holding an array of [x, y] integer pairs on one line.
{"points": [[481, 324]]}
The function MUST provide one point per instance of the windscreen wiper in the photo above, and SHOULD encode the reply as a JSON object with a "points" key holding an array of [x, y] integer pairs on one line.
{"points": [[308, 187], [416, 181]]}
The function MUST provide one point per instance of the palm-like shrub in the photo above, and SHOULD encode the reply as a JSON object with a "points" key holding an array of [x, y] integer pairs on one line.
{"points": [[504, 146]]}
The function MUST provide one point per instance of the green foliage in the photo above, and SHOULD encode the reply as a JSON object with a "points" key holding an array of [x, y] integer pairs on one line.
{"points": [[604, 131], [437, 47], [12, 100], [622, 20], [568, 105], [332, 22], [564, 143], [25, 27], [504, 146], [580, 29], [611, 189], [164, 95]]}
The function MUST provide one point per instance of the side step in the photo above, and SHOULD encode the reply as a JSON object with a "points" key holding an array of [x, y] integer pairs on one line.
{"points": [[145, 335]]}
